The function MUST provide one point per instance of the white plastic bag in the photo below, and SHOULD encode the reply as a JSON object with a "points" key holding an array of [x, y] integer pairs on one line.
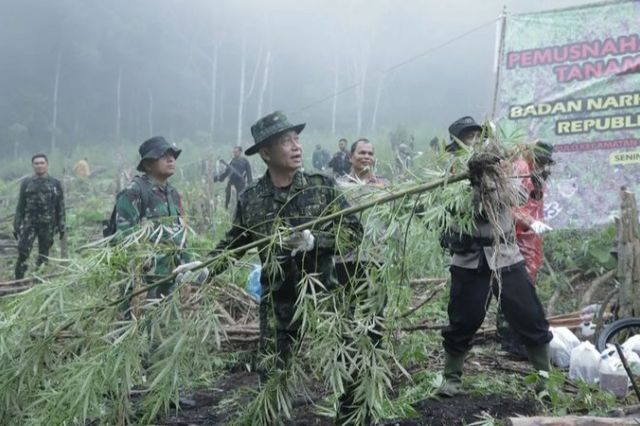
{"points": [[633, 359], [612, 375], [584, 363], [632, 344], [561, 346]]}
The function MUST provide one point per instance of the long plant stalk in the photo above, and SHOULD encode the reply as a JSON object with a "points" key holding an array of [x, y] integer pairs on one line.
{"points": [[417, 189]]}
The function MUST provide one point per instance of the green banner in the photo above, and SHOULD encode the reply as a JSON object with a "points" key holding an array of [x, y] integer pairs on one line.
{"points": [[571, 77]]}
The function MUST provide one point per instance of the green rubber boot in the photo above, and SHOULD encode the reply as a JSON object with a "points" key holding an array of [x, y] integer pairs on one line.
{"points": [[452, 375], [539, 358]]}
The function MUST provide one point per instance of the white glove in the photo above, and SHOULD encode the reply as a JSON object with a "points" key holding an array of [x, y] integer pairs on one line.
{"points": [[187, 267], [539, 227], [301, 242], [185, 273]]}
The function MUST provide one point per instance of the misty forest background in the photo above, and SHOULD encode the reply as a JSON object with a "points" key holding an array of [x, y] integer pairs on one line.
{"points": [[80, 74]]}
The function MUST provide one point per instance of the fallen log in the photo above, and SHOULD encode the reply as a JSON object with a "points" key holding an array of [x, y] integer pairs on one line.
{"points": [[28, 280], [573, 421], [625, 411], [424, 327], [13, 290]]}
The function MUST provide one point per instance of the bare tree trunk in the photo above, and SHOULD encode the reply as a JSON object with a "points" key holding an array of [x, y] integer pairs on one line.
{"points": [[221, 108], [54, 118], [150, 116], [336, 82], [270, 95], [377, 102], [629, 256], [214, 80], [361, 72], [265, 81], [118, 108], [241, 96], [254, 75]]}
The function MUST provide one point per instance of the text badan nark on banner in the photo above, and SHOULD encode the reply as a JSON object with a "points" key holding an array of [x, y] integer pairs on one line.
{"points": [[571, 77]]}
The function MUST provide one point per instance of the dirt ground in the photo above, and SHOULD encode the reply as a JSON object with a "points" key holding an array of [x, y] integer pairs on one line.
{"points": [[213, 407]]}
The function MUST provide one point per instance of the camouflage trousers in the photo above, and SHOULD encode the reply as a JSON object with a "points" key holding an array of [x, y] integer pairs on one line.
{"points": [[277, 331], [44, 232]]}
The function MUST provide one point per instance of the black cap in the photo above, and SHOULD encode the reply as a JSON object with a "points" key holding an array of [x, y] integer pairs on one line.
{"points": [[542, 152], [462, 125], [458, 128], [155, 148]]}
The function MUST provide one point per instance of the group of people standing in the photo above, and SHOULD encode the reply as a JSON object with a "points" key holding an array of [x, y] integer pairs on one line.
{"points": [[288, 197]]}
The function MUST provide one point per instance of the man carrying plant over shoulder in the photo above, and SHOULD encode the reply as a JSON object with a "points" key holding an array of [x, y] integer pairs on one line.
{"points": [[287, 197], [486, 259]]}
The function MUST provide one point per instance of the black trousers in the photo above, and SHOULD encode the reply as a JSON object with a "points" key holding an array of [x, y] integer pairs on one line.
{"points": [[469, 299], [238, 184]]}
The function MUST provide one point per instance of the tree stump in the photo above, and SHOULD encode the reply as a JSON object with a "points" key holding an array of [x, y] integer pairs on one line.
{"points": [[629, 256]]}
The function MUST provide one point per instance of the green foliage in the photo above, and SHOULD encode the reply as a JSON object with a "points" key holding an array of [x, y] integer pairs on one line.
{"points": [[587, 250], [586, 398], [68, 354]]}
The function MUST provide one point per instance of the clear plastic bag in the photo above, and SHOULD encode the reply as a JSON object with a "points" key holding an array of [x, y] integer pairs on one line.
{"points": [[611, 373], [584, 363], [561, 346], [254, 287], [632, 344]]}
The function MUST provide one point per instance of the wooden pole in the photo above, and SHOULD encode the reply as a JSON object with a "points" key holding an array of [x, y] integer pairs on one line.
{"points": [[629, 256]]}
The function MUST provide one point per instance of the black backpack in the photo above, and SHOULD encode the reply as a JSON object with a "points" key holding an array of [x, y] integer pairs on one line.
{"points": [[109, 226]]}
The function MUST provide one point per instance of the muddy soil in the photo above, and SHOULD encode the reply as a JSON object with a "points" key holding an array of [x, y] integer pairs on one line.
{"points": [[214, 407]]}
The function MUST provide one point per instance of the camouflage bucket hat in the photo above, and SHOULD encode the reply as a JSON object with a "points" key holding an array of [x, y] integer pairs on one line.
{"points": [[267, 127], [155, 148]]}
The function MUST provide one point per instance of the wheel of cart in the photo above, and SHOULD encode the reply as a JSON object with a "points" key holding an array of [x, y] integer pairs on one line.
{"points": [[618, 332]]}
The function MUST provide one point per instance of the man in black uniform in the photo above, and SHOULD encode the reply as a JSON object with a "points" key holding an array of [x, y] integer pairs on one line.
{"points": [[320, 158], [239, 173], [40, 213], [478, 266], [340, 162]]}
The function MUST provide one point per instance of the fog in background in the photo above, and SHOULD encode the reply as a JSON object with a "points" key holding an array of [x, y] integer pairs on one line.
{"points": [[118, 71]]}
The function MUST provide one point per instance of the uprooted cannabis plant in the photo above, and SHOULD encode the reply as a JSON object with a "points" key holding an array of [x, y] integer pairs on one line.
{"points": [[70, 357]]}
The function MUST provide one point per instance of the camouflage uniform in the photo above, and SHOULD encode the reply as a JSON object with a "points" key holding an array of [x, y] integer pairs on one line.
{"points": [[261, 209], [146, 200], [40, 213]]}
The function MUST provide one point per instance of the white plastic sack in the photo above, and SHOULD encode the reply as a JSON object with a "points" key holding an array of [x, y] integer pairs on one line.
{"points": [[632, 344], [561, 346], [633, 359], [584, 363], [612, 375]]}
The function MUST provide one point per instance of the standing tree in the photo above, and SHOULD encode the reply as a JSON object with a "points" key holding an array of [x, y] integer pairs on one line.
{"points": [[18, 135], [54, 118]]}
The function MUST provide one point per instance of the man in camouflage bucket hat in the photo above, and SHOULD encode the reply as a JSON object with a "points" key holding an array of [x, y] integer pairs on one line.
{"points": [[150, 197], [288, 197]]}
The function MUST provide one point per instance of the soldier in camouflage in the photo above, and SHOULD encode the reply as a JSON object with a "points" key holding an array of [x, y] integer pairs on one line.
{"points": [[40, 213], [150, 197], [287, 197]]}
